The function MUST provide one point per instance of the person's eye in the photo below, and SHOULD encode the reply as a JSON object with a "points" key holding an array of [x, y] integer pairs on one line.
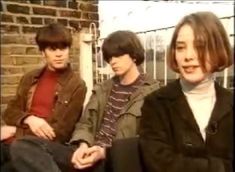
{"points": [[179, 48]]}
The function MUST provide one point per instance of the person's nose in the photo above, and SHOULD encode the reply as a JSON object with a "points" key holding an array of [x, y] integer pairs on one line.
{"points": [[190, 54], [58, 52], [112, 61]]}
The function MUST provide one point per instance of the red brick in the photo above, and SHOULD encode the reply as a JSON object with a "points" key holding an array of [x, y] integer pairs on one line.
{"points": [[36, 20], [6, 60], [44, 11], [49, 20], [6, 70], [73, 5], [13, 8], [30, 29], [75, 24], [18, 50], [6, 50], [9, 29], [66, 13], [22, 20], [6, 18], [13, 79], [88, 7], [63, 21], [9, 89], [55, 3], [93, 16], [85, 23], [35, 2], [6, 98], [31, 67], [32, 50]]}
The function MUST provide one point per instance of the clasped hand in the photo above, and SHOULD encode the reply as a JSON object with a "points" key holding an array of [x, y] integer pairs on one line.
{"points": [[85, 156]]}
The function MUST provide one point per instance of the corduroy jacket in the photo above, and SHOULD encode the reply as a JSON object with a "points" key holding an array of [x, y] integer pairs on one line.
{"points": [[69, 97]]}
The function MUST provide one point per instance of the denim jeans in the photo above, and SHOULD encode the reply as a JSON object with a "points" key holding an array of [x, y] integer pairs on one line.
{"points": [[6, 165], [33, 154]]}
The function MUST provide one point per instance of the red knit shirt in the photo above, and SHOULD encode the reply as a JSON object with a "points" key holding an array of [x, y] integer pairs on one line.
{"points": [[43, 98]]}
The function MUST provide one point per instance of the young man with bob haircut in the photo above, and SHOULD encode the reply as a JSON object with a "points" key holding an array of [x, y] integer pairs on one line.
{"points": [[48, 101]]}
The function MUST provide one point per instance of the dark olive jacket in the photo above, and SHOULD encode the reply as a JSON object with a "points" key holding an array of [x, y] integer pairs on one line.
{"points": [[69, 97], [170, 139], [127, 123]]}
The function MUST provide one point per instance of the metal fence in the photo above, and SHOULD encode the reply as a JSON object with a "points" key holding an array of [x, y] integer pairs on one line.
{"points": [[155, 43]]}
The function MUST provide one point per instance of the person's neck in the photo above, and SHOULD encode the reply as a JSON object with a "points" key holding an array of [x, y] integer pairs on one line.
{"points": [[199, 88], [130, 76], [58, 71]]}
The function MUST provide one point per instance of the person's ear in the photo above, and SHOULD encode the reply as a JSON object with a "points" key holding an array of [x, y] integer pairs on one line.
{"points": [[43, 57], [43, 54]]}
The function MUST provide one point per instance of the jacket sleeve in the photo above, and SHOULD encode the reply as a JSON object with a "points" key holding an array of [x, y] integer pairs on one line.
{"points": [[65, 124], [159, 155], [86, 127], [16, 108]]}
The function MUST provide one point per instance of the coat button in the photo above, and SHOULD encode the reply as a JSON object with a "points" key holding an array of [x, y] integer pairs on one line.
{"points": [[189, 144], [66, 102]]}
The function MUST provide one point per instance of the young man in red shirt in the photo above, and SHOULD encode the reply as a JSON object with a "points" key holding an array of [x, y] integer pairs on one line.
{"points": [[49, 100]]}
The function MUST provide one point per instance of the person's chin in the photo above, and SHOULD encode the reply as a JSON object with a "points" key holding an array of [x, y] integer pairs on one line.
{"points": [[60, 67]]}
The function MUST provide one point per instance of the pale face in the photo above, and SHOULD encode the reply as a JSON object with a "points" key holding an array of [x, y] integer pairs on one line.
{"points": [[122, 65], [187, 57], [56, 59]]}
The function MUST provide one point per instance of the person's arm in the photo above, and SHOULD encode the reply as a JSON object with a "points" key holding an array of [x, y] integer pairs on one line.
{"points": [[86, 127], [7, 132], [156, 143], [16, 108]]}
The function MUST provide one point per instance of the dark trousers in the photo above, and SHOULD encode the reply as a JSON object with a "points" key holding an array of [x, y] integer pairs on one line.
{"points": [[6, 165], [33, 154]]}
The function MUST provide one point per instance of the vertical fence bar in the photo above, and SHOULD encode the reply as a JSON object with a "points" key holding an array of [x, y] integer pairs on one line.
{"points": [[165, 66], [154, 55]]}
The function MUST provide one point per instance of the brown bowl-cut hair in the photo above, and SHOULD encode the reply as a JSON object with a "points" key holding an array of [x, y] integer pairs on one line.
{"points": [[211, 41], [123, 42], [53, 36]]}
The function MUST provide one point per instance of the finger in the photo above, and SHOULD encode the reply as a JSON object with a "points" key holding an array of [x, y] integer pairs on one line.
{"points": [[78, 154], [40, 133], [89, 159], [46, 134], [92, 149], [48, 131], [80, 166]]}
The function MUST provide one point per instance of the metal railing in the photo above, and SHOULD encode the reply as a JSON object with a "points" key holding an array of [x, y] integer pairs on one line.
{"points": [[155, 43]]}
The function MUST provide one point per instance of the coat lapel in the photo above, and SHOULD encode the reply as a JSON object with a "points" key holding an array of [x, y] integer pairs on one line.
{"points": [[223, 104], [180, 105]]}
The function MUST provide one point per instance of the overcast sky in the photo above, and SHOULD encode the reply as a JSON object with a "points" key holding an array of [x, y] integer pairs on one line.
{"points": [[148, 15]]}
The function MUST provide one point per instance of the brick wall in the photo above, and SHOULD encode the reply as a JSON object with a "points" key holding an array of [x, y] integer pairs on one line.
{"points": [[20, 20]]}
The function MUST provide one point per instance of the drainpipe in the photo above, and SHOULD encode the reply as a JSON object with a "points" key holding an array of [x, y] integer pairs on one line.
{"points": [[86, 62]]}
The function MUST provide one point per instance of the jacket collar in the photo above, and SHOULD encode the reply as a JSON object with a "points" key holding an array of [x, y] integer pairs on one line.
{"points": [[223, 104], [63, 78], [107, 85]]}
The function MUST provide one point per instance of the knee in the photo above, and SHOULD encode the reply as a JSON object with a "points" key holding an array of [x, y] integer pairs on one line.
{"points": [[24, 145]]}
